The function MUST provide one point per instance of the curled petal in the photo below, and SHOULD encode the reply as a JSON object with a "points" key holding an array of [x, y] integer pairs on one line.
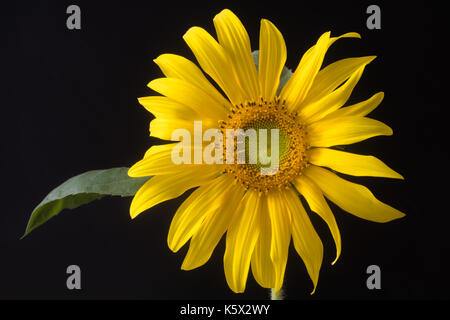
{"points": [[319, 205], [319, 109], [297, 87], [351, 197], [360, 109], [306, 240], [333, 75]]}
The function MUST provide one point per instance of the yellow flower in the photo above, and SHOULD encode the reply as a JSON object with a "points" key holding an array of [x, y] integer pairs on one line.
{"points": [[260, 213]]}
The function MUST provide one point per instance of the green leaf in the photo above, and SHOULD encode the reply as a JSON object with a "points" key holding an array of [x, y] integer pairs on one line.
{"points": [[286, 73], [82, 189]]}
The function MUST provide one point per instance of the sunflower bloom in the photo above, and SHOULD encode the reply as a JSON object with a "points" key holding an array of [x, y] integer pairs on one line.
{"points": [[260, 213]]}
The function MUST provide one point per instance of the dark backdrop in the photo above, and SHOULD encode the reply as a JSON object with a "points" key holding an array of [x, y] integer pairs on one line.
{"points": [[70, 105]]}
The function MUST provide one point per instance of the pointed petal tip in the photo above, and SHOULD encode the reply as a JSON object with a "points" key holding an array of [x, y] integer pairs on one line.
{"points": [[398, 176], [131, 172], [385, 129], [133, 213], [266, 21], [162, 56], [173, 247], [235, 289], [151, 83], [352, 35], [338, 254], [399, 215], [389, 131], [371, 58], [190, 31], [135, 210], [185, 266], [222, 13], [141, 101], [395, 216]]}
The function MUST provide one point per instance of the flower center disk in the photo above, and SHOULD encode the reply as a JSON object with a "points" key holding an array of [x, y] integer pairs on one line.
{"points": [[291, 143]]}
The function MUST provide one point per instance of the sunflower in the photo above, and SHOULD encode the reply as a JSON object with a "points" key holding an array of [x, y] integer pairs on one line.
{"points": [[260, 213]]}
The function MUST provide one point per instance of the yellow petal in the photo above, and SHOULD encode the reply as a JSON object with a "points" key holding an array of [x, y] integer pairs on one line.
{"points": [[297, 87], [345, 35], [334, 39], [272, 57], [351, 197], [333, 75], [240, 241], [215, 61], [262, 266], [163, 107], [157, 160], [350, 163], [234, 38], [165, 187], [163, 128], [360, 109], [194, 209], [280, 222], [213, 227], [331, 102], [160, 148], [345, 130], [183, 92], [175, 66], [305, 238], [319, 205]]}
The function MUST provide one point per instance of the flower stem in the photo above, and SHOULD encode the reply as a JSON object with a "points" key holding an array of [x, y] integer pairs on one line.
{"points": [[276, 295]]}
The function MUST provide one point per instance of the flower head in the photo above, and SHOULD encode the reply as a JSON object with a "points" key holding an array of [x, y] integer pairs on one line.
{"points": [[260, 213]]}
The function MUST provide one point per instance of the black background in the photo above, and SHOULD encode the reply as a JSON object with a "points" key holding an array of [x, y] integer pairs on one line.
{"points": [[70, 105]]}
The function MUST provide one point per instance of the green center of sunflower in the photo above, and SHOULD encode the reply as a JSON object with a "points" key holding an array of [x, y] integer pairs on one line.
{"points": [[290, 140]]}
